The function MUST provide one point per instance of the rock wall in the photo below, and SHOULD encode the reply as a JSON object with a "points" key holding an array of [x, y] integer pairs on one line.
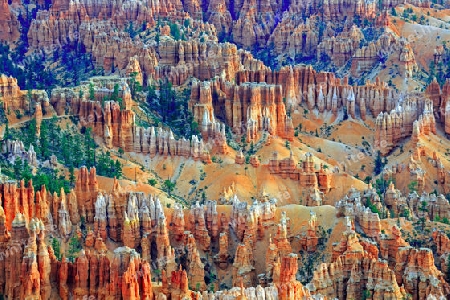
{"points": [[413, 118], [355, 268], [9, 25], [14, 98], [307, 175], [115, 123], [353, 207], [248, 109], [139, 221], [426, 279]]}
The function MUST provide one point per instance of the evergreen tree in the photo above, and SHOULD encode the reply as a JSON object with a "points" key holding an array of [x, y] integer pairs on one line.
{"points": [[118, 167], [7, 135], [89, 146], [74, 248], [44, 141], [135, 86], [71, 175], [91, 92], [168, 186], [152, 97], [56, 248], [18, 166], [393, 12], [26, 173], [175, 31], [448, 267], [115, 94], [378, 164]]}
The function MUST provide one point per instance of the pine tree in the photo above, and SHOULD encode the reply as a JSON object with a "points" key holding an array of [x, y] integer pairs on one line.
{"points": [[118, 169], [393, 12], [7, 135], [44, 141], [91, 92], [448, 267], [18, 166], [378, 164], [71, 175], [115, 94], [56, 248], [74, 248]]}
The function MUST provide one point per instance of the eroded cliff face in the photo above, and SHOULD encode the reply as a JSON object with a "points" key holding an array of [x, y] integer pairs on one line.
{"points": [[115, 123], [121, 38], [174, 241], [9, 25], [255, 248], [354, 270], [13, 98], [286, 32], [414, 118]]}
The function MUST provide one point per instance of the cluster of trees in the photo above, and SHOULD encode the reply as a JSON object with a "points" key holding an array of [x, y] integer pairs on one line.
{"points": [[379, 164], [54, 140], [372, 207], [73, 149], [172, 107], [74, 247], [53, 180], [441, 71], [74, 65], [114, 96], [175, 31], [32, 71], [107, 166]]}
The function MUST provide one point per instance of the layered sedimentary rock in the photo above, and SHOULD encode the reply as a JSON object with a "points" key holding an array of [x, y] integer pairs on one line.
{"points": [[260, 98], [9, 25], [390, 244], [309, 240], [248, 108], [322, 90], [355, 263], [13, 98], [440, 98], [252, 100], [429, 206], [306, 174], [287, 284], [16, 149], [243, 269], [259, 214], [196, 272], [197, 224], [388, 44], [352, 207], [416, 271], [295, 38], [414, 118], [116, 125], [17, 200], [139, 220], [86, 189], [416, 205], [314, 197], [442, 242], [94, 274], [342, 47]]}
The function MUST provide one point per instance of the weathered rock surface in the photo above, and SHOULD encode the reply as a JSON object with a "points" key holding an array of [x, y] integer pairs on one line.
{"points": [[9, 25]]}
